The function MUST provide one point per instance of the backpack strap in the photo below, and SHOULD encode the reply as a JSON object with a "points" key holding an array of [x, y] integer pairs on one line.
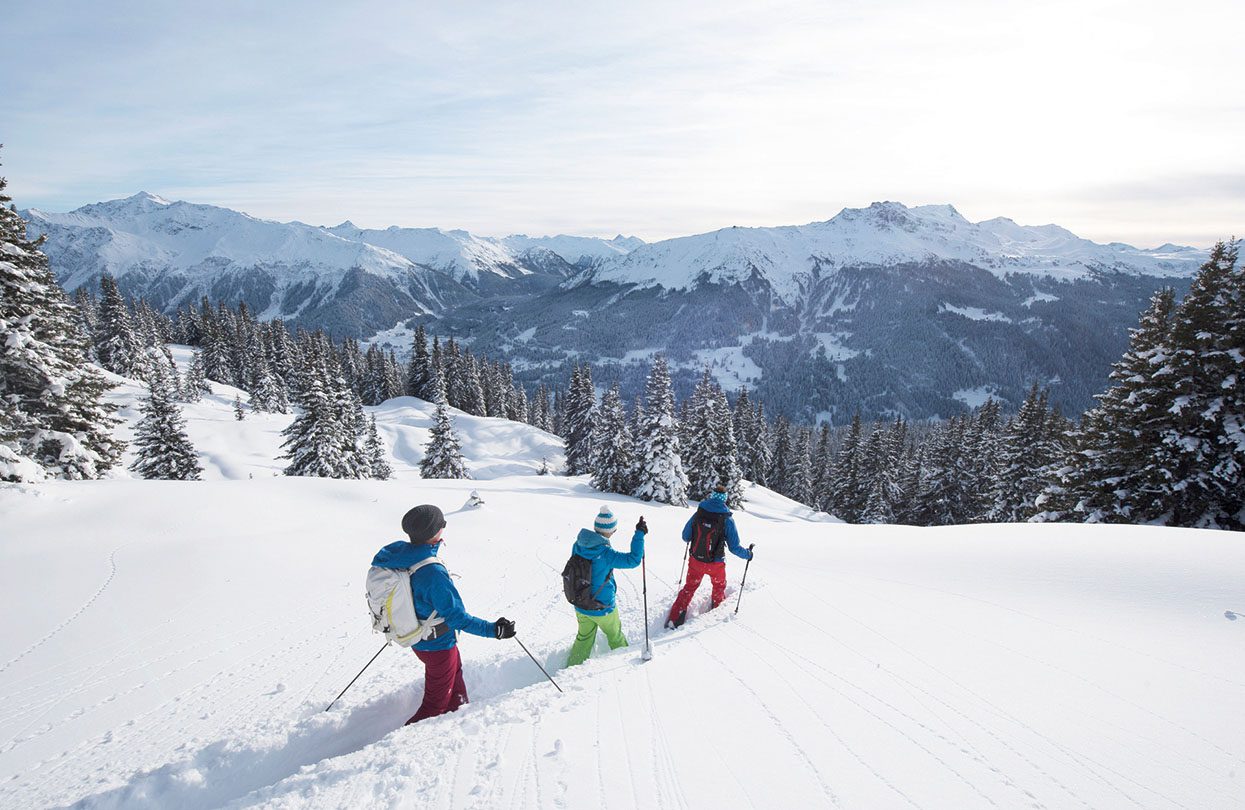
{"points": [[428, 625]]}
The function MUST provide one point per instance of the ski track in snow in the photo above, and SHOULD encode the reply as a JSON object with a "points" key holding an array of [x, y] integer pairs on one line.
{"points": [[112, 573], [1092, 767]]}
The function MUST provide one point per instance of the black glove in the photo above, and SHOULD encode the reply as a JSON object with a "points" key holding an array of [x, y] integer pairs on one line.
{"points": [[641, 526], [751, 553], [503, 628]]}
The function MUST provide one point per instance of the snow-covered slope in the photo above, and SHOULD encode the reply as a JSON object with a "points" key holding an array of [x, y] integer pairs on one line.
{"points": [[884, 234], [465, 256], [171, 644]]}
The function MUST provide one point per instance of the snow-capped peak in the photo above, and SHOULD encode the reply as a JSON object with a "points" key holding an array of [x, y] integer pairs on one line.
{"points": [[884, 233]]}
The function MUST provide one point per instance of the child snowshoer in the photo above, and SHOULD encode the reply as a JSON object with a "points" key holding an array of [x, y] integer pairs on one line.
{"points": [[594, 603], [433, 590], [709, 533]]}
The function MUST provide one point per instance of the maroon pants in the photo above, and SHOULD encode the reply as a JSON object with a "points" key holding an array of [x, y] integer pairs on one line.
{"points": [[697, 570], [444, 690]]}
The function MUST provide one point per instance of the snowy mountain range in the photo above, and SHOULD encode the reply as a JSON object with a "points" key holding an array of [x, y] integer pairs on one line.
{"points": [[886, 309]]}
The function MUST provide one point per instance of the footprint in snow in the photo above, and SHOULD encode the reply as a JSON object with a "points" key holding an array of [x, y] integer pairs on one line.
{"points": [[557, 748]]}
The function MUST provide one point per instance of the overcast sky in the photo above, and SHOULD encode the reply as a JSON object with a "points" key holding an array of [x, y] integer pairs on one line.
{"points": [[1121, 120]]}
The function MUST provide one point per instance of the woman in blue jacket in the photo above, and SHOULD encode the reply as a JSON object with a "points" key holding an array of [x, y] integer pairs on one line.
{"points": [[595, 546], [432, 589]]}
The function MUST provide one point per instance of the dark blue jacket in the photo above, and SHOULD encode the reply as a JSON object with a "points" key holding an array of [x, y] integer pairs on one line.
{"points": [[596, 547], [732, 536], [432, 589]]}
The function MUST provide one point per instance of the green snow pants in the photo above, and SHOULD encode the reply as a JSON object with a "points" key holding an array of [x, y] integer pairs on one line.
{"points": [[610, 624]]}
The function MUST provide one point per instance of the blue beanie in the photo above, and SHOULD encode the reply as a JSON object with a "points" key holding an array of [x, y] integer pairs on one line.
{"points": [[605, 522]]}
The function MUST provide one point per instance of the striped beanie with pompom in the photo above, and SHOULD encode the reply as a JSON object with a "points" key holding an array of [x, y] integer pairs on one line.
{"points": [[605, 522]]}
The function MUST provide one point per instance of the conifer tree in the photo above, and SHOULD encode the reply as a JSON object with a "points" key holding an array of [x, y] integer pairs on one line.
{"points": [[580, 408], [55, 422], [117, 345], [725, 449], [312, 440], [377, 454], [698, 453], [419, 378], [195, 383], [1023, 452], [613, 466], [1203, 448], [443, 456], [163, 449], [659, 469], [780, 471], [238, 413]]}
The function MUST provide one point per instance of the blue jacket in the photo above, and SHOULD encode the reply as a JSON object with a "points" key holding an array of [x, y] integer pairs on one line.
{"points": [[432, 589], [596, 547], [732, 536]]}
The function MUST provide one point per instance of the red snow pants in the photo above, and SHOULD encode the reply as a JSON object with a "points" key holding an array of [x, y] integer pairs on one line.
{"points": [[444, 690], [696, 570]]}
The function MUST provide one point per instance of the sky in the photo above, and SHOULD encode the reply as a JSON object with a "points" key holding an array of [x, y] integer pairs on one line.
{"points": [[1122, 121]]}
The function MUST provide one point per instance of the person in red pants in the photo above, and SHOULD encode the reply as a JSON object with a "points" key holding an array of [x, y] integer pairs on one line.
{"points": [[708, 534], [433, 590]]}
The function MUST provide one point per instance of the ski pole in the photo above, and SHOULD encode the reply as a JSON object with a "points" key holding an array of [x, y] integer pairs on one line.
{"points": [[686, 547], [744, 580], [648, 649], [537, 663], [365, 666]]}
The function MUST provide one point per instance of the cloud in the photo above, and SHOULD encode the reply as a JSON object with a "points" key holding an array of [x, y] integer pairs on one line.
{"points": [[654, 118]]}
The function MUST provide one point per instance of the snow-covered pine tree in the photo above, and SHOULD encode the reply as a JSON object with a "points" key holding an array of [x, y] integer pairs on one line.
{"points": [[725, 450], [312, 440], [780, 471], [419, 377], [1203, 448], [452, 374], [472, 388], [613, 465], [762, 446], [982, 438], [55, 421], [742, 420], [194, 384], [373, 385], [823, 469], [580, 412], [443, 457], [1022, 454], [163, 450], [377, 454], [238, 412], [698, 456], [394, 384], [87, 310], [659, 469], [117, 345], [844, 500]]}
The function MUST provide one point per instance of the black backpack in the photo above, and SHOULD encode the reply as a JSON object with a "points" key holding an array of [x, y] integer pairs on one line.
{"points": [[708, 535], [577, 583]]}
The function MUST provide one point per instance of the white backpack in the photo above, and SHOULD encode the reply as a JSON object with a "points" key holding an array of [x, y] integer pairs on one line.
{"points": [[392, 605]]}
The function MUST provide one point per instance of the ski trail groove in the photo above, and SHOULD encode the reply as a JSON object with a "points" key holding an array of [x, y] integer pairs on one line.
{"points": [[803, 755], [967, 782], [1089, 765], [112, 572]]}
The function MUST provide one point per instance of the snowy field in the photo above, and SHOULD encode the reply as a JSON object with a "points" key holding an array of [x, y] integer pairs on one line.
{"points": [[173, 645]]}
